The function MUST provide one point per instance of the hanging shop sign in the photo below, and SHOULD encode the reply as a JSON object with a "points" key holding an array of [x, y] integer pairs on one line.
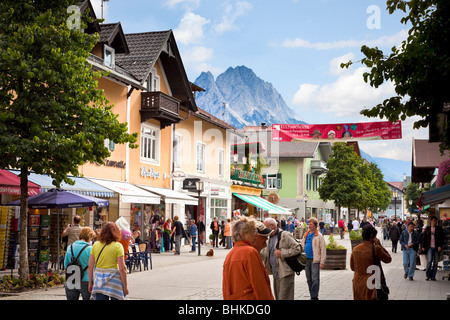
{"points": [[178, 175], [189, 184], [381, 130], [246, 176]]}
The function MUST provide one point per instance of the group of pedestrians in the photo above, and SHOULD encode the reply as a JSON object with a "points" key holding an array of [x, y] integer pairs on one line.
{"points": [[101, 257], [260, 250]]}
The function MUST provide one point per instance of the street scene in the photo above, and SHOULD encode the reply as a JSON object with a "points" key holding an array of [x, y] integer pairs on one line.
{"points": [[200, 278], [190, 150]]}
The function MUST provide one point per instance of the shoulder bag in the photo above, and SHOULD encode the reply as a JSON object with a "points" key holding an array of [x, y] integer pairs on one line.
{"points": [[383, 291], [298, 262]]}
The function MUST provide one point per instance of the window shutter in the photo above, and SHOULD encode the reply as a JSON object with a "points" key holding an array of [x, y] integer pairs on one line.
{"points": [[265, 180], [279, 181]]}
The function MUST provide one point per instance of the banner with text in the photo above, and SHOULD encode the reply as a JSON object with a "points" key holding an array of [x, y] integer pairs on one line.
{"points": [[364, 131]]}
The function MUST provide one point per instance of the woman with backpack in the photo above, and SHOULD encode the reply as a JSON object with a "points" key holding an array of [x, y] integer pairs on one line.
{"points": [[77, 258], [110, 274]]}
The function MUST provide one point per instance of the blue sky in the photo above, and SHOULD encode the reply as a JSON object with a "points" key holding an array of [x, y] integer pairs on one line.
{"points": [[297, 45]]}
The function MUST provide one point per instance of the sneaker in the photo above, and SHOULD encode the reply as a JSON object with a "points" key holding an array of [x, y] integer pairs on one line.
{"points": [[411, 278], [427, 279], [433, 279], [405, 276]]}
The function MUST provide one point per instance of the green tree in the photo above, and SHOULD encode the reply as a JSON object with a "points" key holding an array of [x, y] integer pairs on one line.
{"points": [[53, 116], [419, 69], [413, 193], [342, 183]]}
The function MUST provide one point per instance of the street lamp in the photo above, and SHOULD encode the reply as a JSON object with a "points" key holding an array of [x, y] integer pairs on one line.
{"points": [[395, 195], [306, 201], [199, 188], [410, 207]]}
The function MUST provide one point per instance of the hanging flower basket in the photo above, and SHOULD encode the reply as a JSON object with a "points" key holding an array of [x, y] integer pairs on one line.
{"points": [[443, 177]]}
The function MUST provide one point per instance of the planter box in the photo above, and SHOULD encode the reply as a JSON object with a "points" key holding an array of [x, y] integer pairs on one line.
{"points": [[336, 259], [355, 243]]}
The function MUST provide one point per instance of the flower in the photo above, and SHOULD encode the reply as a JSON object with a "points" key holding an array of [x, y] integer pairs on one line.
{"points": [[444, 171]]}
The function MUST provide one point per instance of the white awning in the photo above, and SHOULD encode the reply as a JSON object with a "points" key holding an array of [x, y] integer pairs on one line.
{"points": [[129, 193], [172, 196]]}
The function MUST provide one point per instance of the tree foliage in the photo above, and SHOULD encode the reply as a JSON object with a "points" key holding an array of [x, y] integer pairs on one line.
{"points": [[419, 69], [350, 182], [53, 116]]}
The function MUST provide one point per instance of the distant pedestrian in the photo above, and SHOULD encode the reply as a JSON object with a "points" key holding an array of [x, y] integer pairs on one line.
{"points": [[355, 225], [72, 231], [322, 227], [227, 234], [222, 230], [281, 245], [201, 229], [215, 232], [177, 232], [193, 233], [108, 280], [394, 235], [331, 226], [362, 258], [432, 244], [341, 225], [168, 246], [244, 275], [81, 248], [409, 241], [313, 243]]}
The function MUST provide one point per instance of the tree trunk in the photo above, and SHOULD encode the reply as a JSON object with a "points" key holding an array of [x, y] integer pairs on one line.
{"points": [[24, 272]]}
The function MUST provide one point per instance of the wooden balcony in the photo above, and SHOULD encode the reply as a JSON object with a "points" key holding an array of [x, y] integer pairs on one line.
{"points": [[159, 106]]}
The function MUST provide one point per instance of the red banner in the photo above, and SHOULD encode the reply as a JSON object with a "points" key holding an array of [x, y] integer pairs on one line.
{"points": [[364, 131]]}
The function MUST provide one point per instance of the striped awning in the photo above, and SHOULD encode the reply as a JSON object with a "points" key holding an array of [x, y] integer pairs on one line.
{"points": [[82, 185], [262, 203]]}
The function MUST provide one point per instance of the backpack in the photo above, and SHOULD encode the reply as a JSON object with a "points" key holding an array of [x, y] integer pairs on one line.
{"points": [[298, 262], [74, 270]]}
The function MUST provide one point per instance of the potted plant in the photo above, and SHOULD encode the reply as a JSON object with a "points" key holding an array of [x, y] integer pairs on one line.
{"points": [[356, 237], [336, 255]]}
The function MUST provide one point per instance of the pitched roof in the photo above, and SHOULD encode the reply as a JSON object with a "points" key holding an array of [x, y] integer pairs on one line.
{"points": [[112, 35], [145, 49], [297, 149], [212, 119], [426, 157]]}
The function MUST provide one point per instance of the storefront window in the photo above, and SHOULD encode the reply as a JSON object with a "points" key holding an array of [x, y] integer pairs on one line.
{"points": [[219, 208]]}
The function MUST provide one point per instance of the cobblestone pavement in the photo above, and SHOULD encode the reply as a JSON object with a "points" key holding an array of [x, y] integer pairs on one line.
{"points": [[192, 277]]}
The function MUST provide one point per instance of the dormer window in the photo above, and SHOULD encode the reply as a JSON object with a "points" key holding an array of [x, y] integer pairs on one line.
{"points": [[108, 55]]}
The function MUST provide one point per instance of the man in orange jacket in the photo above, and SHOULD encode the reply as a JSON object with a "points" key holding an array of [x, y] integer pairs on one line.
{"points": [[244, 275]]}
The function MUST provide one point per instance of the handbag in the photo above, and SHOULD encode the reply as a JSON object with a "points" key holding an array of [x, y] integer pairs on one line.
{"points": [[383, 291], [298, 262]]}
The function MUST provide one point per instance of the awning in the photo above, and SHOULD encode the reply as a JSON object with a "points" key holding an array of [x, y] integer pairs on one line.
{"points": [[262, 203], [129, 193], [82, 185], [172, 196], [10, 184], [435, 196]]}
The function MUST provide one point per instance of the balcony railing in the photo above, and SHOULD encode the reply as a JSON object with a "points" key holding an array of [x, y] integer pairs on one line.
{"points": [[318, 167], [158, 101]]}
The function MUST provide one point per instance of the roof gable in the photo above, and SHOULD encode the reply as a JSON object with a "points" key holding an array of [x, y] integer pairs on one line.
{"points": [[145, 49], [112, 35]]}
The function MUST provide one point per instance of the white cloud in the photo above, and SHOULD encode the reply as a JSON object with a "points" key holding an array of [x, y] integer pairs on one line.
{"points": [[190, 29], [345, 97], [231, 14], [394, 40], [196, 58]]}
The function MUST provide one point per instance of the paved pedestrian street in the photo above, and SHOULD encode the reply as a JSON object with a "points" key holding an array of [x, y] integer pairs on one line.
{"points": [[190, 277]]}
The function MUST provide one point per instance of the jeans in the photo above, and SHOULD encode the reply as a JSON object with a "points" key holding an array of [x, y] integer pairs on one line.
{"points": [[409, 261], [394, 246], [432, 258], [313, 278], [101, 296], [74, 294], [194, 239], [178, 243], [322, 231]]}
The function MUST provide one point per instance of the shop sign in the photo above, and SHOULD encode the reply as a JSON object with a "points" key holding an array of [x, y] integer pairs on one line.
{"points": [[151, 174], [189, 184], [178, 175], [246, 176]]}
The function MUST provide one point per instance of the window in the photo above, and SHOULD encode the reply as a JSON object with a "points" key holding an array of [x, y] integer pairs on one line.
{"points": [[201, 152], [177, 151], [153, 81], [274, 181], [149, 143], [221, 162], [219, 208], [271, 181], [108, 55]]}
